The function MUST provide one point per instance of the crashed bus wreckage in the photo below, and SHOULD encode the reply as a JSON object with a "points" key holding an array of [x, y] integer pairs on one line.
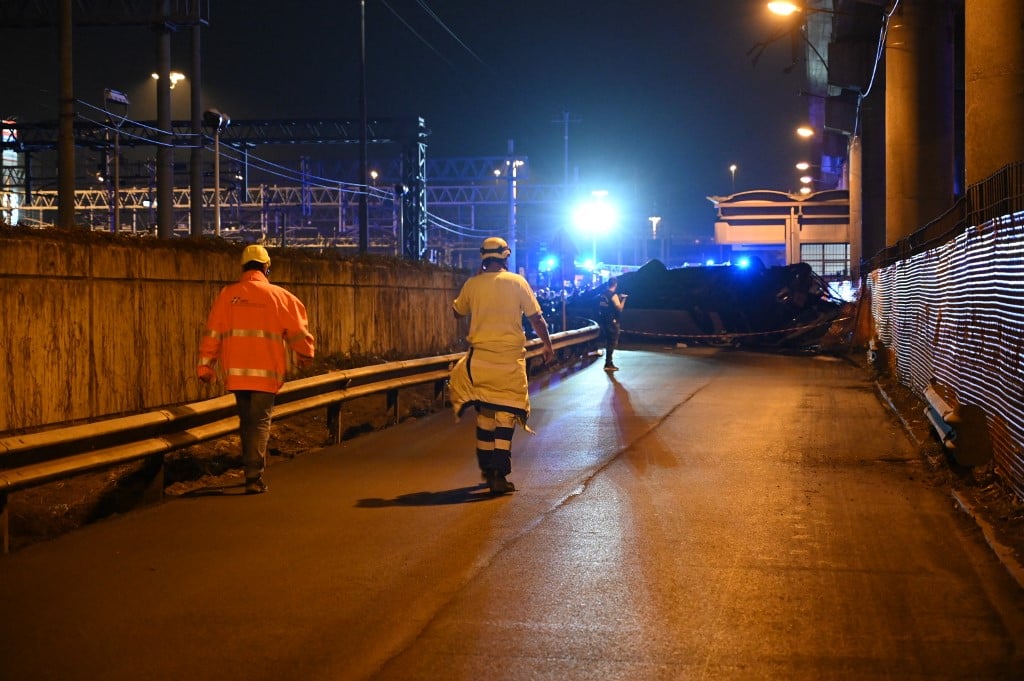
{"points": [[755, 306]]}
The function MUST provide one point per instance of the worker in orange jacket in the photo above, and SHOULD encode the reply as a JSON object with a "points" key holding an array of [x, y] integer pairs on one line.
{"points": [[251, 324]]}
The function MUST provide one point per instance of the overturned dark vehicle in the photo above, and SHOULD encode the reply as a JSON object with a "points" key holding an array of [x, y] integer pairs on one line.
{"points": [[784, 307]]}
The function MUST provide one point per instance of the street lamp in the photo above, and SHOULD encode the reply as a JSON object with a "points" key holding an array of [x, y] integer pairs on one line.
{"points": [[218, 121], [732, 171], [805, 131], [654, 220], [175, 76], [111, 97], [783, 8], [815, 174]]}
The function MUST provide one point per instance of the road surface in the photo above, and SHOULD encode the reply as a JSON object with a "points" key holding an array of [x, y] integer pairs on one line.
{"points": [[701, 514]]}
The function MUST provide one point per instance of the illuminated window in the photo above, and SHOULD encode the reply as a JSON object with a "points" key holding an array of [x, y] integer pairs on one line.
{"points": [[830, 261]]}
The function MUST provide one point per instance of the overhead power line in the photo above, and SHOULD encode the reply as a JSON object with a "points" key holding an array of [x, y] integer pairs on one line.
{"points": [[418, 36], [441, 23]]}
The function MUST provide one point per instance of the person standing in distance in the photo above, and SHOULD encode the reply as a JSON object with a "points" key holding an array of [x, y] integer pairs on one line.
{"points": [[492, 375], [610, 306], [249, 328]]}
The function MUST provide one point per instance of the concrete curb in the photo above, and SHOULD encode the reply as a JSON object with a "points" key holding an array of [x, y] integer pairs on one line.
{"points": [[1003, 553]]}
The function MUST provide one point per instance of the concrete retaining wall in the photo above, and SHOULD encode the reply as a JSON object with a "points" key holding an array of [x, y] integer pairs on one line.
{"points": [[96, 326]]}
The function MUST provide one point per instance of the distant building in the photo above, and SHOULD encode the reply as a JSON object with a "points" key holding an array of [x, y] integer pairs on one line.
{"points": [[785, 229]]}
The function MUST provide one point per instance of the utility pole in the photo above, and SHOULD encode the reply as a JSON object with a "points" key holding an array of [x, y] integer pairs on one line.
{"points": [[512, 173], [196, 155], [364, 213], [66, 134], [164, 151], [565, 121]]}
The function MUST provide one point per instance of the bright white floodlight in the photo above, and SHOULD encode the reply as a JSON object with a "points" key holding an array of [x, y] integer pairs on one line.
{"points": [[595, 217]]}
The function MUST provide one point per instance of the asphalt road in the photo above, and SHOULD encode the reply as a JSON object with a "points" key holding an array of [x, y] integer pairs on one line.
{"points": [[702, 514]]}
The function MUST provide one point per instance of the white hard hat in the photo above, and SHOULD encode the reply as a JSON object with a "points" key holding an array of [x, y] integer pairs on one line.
{"points": [[494, 247]]}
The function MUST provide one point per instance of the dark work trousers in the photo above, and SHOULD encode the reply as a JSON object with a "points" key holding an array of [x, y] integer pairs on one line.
{"points": [[611, 340], [494, 431], [254, 409]]}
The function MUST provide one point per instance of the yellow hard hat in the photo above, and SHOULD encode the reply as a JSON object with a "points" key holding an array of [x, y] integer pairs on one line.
{"points": [[255, 253], [494, 247]]}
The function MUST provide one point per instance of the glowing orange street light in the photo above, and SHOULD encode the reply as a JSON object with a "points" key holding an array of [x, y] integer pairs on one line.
{"points": [[175, 76], [805, 131], [783, 8]]}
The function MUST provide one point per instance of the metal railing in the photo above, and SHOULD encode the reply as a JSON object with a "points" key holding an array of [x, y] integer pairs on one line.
{"points": [[37, 458]]}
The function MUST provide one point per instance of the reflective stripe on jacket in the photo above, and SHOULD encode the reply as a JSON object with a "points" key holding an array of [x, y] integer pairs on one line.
{"points": [[249, 327]]}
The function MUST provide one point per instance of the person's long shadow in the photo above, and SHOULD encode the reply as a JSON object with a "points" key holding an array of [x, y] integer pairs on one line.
{"points": [[643, 453], [619, 398], [462, 495], [229, 490]]}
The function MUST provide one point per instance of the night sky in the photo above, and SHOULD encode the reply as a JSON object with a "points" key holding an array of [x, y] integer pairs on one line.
{"points": [[662, 95]]}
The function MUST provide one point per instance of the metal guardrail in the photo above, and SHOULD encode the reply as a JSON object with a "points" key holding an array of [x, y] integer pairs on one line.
{"points": [[37, 458]]}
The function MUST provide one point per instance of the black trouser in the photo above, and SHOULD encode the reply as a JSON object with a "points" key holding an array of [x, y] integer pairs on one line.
{"points": [[611, 339]]}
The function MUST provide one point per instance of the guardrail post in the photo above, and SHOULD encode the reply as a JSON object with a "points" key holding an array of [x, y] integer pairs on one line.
{"points": [[5, 529], [334, 423], [392, 403], [154, 470], [439, 388]]}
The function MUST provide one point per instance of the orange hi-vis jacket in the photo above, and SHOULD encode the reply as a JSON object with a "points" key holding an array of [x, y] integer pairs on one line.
{"points": [[249, 327]]}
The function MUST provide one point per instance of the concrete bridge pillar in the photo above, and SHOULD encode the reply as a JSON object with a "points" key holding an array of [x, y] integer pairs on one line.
{"points": [[994, 86], [919, 129]]}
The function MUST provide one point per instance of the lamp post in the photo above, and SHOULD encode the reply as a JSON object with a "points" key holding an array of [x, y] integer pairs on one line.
{"points": [[218, 121], [111, 97], [732, 171], [655, 220]]}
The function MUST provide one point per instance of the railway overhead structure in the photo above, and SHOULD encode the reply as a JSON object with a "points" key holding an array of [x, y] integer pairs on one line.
{"points": [[36, 200], [292, 202]]}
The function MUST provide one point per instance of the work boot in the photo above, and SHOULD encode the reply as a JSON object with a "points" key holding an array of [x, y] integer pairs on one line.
{"points": [[255, 485], [498, 483]]}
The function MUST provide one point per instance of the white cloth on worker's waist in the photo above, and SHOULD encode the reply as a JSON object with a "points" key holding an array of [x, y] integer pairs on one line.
{"points": [[493, 373], [496, 380]]}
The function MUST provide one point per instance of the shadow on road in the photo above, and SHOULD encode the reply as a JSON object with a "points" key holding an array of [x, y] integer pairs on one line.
{"points": [[462, 495], [233, 489]]}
